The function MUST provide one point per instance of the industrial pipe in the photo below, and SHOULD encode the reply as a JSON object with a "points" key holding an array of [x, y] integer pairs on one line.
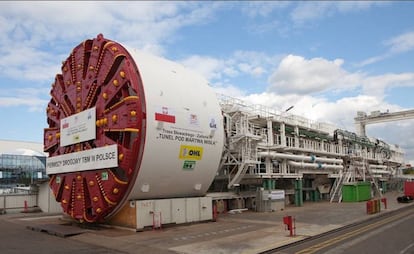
{"points": [[314, 165], [379, 171], [311, 158], [377, 166]]}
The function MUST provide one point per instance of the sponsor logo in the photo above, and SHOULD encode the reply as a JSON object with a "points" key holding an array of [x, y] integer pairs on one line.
{"points": [[194, 119], [213, 124], [191, 152]]}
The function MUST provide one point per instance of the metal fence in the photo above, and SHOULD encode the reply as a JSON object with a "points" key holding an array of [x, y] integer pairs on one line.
{"points": [[18, 201]]}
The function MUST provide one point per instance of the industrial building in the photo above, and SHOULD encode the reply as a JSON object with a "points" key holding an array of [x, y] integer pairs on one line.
{"points": [[23, 178], [21, 163]]}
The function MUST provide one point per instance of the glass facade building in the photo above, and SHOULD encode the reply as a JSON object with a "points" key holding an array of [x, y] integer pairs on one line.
{"points": [[21, 169]]}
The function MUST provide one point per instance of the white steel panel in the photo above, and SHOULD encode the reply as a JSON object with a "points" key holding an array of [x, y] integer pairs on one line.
{"points": [[163, 206], [178, 210], [206, 208], [18, 200], [192, 209], [46, 200], [145, 210]]}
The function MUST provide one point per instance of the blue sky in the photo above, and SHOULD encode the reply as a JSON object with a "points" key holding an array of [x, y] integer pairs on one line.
{"points": [[328, 59]]}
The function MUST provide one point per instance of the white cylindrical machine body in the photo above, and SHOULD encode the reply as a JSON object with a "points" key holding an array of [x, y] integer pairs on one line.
{"points": [[184, 132], [127, 125]]}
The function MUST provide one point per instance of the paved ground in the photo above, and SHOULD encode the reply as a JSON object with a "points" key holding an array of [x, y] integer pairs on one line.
{"points": [[248, 232]]}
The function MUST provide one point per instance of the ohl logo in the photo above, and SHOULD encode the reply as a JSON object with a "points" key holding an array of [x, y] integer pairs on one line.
{"points": [[191, 152]]}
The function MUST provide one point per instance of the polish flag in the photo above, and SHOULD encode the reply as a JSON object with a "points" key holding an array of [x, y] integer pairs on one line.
{"points": [[164, 115], [65, 125]]}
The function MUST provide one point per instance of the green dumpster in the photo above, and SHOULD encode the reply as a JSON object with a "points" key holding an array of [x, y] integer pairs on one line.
{"points": [[356, 192]]}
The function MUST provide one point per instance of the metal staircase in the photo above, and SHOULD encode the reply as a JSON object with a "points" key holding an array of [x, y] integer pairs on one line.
{"points": [[336, 190], [241, 170], [242, 146], [365, 172], [369, 176]]}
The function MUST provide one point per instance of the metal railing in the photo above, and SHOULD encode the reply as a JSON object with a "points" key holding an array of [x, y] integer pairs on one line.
{"points": [[266, 112], [18, 201]]}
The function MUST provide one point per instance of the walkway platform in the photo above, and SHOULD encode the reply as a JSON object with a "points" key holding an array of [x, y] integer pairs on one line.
{"points": [[61, 230]]}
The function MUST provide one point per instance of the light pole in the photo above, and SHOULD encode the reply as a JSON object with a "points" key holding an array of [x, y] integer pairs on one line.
{"points": [[289, 108]]}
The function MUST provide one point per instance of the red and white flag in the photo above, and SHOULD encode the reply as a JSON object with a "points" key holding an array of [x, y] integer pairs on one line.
{"points": [[164, 114]]}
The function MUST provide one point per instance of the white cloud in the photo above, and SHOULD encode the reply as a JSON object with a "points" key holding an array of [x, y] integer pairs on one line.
{"points": [[28, 63], [30, 97], [377, 85], [158, 22], [251, 63], [228, 90], [278, 102], [267, 27], [400, 133], [208, 67], [254, 63], [296, 74], [38, 36], [285, 17], [261, 8], [343, 111], [33, 104], [310, 10], [155, 49], [371, 60], [251, 70], [396, 45], [230, 71], [40, 30], [401, 43], [257, 71]]}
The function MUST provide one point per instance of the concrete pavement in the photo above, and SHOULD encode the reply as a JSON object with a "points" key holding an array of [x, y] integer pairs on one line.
{"points": [[248, 232]]}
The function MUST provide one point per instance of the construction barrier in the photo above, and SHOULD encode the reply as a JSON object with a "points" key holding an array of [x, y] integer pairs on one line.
{"points": [[371, 209], [374, 205]]}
